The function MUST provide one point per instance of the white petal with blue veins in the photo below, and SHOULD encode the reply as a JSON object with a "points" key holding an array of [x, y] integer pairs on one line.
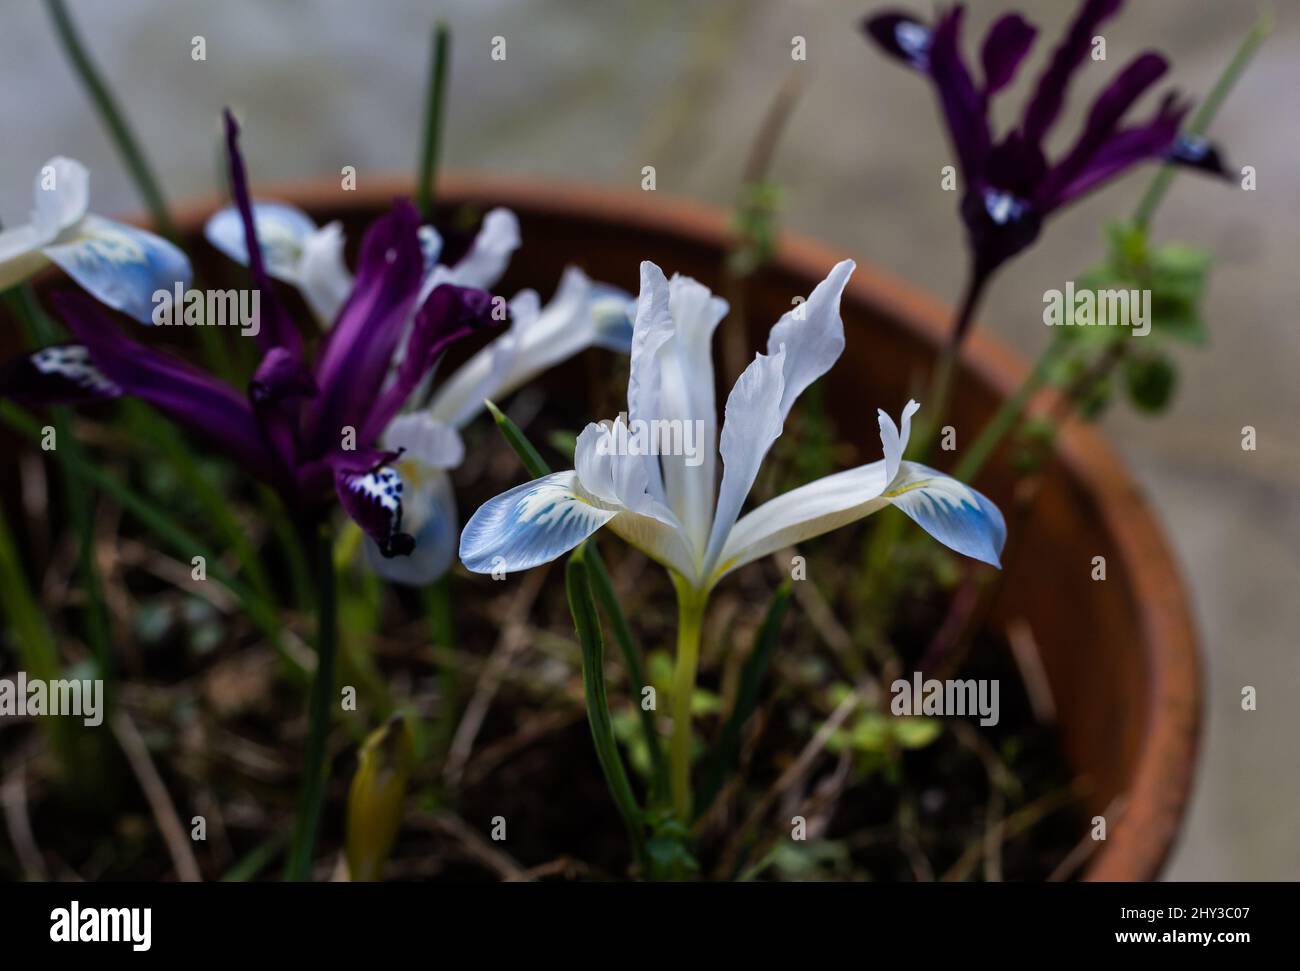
{"points": [[531, 524], [950, 511], [121, 266]]}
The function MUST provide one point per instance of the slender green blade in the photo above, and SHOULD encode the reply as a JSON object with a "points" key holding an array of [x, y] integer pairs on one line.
{"points": [[431, 143], [587, 624], [517, 440]]}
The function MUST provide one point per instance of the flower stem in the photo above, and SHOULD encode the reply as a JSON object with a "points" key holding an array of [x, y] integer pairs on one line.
{"points": [[113, 118], [432, 141], [1006, 417], [690, 618], [941, 379], [298, 866], [1155, 193]]}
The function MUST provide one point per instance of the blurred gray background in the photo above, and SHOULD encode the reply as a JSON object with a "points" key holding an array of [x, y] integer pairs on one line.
{"points": [[589, 92]]}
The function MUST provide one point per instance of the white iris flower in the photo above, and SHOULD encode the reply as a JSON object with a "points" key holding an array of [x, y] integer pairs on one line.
{"points": [[119, 265]]}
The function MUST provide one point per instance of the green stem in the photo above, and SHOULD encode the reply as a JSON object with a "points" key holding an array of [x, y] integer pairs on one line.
{"points": [[1007, 416], [939, 393], [438, 608], [587, 624], [690, 620], [1200, 121], [315, 771], [636, 679], [113, 118], [433, 109]]}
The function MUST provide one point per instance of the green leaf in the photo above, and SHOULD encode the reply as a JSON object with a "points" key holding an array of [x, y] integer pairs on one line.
{"points": [[587, 624], [603, 587], [517, 440], [1150, 380]]}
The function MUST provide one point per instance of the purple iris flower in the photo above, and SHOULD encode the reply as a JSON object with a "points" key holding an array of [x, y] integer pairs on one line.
{"points": [[308, 429], [1010, 188]]}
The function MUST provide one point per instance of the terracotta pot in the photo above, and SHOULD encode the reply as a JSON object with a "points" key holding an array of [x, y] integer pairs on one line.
{"points": [[1120, 655]]}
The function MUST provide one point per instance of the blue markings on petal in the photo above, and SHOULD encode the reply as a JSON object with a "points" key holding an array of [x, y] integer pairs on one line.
{"points": [[529, 525], [954, 514], [612, 309], [121, 266], [429, 511]]}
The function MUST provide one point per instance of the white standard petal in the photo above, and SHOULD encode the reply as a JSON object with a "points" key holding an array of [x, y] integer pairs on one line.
{"points": [[894, 442], [530, 525], [953, 513], [752, 422], [322, 277], [282, 230], [121, 266], [652, 328], [812, 334], [428, 514], [617, 481], [687, 438], [539, 338], [490, 253], [432, 443], [61, 196]]}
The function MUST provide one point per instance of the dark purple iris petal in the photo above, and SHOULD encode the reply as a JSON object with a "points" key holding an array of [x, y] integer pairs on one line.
{"points": [[450, 313], [359, 349], [1103, 120], [1016, 166], [371, 494], [963, 106], [276, 327], [1124, 149], [1049, 98], [60, 375], [276, 391], [901, 35], [999, 224], [1006, 45], [185, 394], [1199, 153]]}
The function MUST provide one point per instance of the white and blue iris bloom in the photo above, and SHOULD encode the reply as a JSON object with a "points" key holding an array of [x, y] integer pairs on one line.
{"points": [[582, 314], [673, 506], [120, 265]]}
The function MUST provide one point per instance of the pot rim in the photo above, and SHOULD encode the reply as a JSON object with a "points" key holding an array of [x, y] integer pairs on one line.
{"points": [[1140, 841]]}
